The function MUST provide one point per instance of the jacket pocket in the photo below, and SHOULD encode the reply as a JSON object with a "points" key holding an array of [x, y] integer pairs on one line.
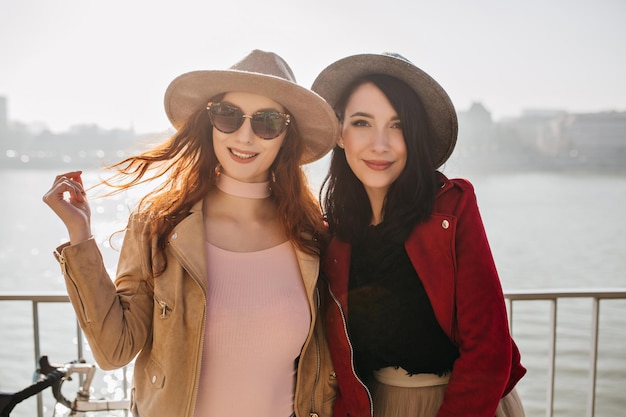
{"points": [[330, 391], [155, 374]]}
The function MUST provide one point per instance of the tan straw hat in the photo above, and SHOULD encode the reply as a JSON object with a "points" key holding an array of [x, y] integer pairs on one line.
{"points": [[262, 73], [335, 78]]}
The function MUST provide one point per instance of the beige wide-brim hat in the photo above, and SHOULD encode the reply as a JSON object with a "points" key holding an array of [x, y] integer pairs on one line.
{"points": [[335, 78], [266, 74]]}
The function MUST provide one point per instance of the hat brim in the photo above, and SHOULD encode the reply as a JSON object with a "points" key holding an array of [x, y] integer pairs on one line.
{"points": [[316, 120], [335, 78]]}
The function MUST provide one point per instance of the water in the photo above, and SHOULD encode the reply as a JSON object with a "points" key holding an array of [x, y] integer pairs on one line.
{"points": [[546, 230]]}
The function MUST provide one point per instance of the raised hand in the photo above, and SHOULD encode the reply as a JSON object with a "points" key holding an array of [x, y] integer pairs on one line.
{"points": [[67, 198]]}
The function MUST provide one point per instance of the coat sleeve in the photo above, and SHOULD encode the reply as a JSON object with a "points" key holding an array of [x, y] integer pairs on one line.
{"points": [[480, 329], [115, 316]]}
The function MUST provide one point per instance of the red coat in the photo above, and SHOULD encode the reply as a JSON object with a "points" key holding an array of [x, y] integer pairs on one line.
{"points": [[452, 257]]}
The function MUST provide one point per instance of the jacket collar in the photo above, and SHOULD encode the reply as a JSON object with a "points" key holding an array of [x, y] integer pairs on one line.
{"points": [[188, 244]]}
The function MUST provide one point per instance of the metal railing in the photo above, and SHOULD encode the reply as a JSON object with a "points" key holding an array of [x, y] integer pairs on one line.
{"points": [[513, 297], [36, 300], [553, 296]]}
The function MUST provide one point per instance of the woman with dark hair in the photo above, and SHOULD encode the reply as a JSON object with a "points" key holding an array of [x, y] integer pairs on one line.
{"points": [[417, 324], [216, 289]]}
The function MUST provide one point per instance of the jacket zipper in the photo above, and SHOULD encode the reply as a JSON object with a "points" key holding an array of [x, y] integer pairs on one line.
{"points": [[194, 395], [199, 360], [61, 260], [319, 357], [164, 308], [63, 263], [345, 329]]}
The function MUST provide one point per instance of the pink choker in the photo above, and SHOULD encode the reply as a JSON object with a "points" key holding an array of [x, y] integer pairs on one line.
{"points": [[231, 186]]}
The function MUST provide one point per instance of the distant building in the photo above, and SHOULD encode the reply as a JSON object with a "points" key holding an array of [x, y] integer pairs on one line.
{"points": [[536, 129], [595, 138], [476, 130], [475, 122], [585, 140], [4, 118]]}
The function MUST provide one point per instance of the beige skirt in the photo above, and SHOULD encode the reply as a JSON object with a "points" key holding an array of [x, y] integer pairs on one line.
{"points": [[424, 401]]}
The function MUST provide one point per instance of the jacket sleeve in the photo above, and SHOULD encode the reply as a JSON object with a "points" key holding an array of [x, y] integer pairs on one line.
{"points": [[480, 327], [115, 317]]}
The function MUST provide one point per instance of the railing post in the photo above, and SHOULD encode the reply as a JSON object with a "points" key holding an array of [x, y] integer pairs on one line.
{"points": [[591, 397], [79, 341], [35, 306], [552, 367]]}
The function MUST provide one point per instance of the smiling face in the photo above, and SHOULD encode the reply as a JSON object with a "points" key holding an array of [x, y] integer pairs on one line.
{"points": [[243, 155], [372, 138]]}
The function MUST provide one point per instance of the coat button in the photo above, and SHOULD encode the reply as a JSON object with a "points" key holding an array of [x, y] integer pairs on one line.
{"points": [[445, 224]]}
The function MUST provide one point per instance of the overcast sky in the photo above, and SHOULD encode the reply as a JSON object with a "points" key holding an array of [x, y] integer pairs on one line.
{"points": [[68, 62]]}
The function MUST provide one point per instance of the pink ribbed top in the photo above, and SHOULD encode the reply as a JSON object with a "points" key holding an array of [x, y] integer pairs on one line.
{"points": [[258, 319]]}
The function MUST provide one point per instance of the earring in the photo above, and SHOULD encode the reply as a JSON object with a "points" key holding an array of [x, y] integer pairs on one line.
{"points": [[272, 181], [218, 169]]}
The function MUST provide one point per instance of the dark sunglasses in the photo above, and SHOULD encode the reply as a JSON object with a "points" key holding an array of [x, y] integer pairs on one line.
{"points": [[266, 124]]}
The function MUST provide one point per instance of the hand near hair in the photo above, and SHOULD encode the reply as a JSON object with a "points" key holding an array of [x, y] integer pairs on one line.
{"points": [[67, 198]]}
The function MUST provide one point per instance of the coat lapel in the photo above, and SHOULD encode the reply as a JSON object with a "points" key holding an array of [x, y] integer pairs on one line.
{"points": [[187, 242]]}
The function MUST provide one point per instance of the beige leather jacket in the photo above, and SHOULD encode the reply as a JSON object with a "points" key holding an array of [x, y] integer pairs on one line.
{"points": [[161, 322]]}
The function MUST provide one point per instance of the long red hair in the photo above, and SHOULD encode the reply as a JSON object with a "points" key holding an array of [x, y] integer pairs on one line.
{"points": [[185, 165]]}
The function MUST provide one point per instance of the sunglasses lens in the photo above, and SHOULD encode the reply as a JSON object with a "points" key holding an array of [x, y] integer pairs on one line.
{"points": [[268, 124], [225, 118]]}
